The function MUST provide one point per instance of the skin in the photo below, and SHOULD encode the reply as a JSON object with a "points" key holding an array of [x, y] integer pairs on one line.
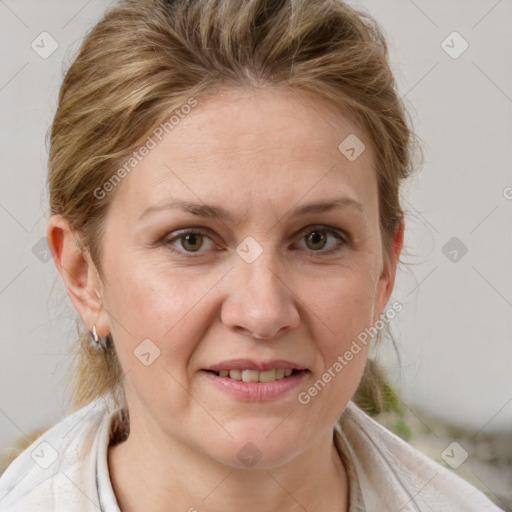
{"points": [[259, 154]]}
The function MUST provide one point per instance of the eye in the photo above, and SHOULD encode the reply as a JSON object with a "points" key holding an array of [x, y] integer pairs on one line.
{"points": [[189, 241], [316, 238]]}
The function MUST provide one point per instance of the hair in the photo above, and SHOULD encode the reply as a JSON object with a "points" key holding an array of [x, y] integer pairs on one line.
{"points": [[145, 59]]}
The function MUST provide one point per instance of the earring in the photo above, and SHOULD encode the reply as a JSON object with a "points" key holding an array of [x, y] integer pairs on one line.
{"points": [[97, 342]]}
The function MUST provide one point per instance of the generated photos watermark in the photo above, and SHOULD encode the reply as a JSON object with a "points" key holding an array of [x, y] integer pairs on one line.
{"points": [[304, 397], [144, 150]]}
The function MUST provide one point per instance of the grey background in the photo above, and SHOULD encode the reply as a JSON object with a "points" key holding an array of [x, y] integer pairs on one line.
{"points": [[454, 333]]}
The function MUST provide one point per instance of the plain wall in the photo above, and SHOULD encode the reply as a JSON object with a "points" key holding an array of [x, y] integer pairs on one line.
{"points": [[454, 332]]}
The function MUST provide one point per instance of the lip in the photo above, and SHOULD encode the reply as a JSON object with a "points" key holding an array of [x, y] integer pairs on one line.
{"points": [[255, 391], [251, 364]]}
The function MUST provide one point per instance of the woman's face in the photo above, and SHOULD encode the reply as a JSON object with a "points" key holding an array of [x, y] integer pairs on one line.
{"points": [[263, 281]]}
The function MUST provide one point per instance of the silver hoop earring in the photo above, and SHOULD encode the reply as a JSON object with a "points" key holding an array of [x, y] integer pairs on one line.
{"points": [[97, 342]]}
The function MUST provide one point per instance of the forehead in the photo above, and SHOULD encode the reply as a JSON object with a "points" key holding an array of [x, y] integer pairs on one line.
{"points": [[253, 149]]}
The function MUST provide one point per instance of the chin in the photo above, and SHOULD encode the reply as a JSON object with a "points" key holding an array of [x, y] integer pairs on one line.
{"points": [[259, 450]]}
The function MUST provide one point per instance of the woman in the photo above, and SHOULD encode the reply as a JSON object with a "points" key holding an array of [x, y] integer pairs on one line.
{"points": [[224, 181]]}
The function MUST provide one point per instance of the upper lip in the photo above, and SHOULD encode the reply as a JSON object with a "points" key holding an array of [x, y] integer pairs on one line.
{"points": [[251, 364]]}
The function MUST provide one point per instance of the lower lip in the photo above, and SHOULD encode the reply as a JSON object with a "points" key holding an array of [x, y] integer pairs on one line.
{"points": [[256, 391]]}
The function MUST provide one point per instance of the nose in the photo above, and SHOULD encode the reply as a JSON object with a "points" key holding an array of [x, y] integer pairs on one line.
{"points": [[261, 301]]}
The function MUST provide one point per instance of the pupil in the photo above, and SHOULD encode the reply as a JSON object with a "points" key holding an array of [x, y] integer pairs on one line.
{"points": [[316, 236], [193, 237]]}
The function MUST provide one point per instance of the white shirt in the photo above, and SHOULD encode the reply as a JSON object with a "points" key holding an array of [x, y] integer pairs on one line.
{"points": [[66, 470]]}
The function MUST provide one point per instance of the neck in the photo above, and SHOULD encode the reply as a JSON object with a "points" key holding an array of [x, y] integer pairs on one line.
{"points": [[165, 475]]}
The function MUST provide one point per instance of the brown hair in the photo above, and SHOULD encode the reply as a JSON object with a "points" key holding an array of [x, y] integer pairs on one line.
{"points": [[146, 58]]}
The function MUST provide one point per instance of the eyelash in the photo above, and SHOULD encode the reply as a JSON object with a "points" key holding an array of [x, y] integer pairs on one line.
{"points": [[310, 229]]}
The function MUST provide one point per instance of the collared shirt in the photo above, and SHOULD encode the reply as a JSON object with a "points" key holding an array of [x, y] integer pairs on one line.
{"points": [[66, 469]]}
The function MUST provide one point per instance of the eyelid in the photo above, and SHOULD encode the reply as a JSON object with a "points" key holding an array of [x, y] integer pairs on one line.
{"points": [[324, 227]]}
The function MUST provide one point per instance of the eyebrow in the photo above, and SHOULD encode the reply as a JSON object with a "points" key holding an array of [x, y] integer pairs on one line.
{"points": [[218, 212]]}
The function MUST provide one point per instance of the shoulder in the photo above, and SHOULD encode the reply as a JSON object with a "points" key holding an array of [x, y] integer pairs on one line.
{"points": [[57, 471], [393, 475]]}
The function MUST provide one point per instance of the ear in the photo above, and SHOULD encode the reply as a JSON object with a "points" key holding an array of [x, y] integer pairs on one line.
{"points": [[78, 273], [387, 278]]}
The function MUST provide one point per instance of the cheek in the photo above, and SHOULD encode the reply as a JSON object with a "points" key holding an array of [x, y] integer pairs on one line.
{"points": [[169, 310], [165, 308], [341, 365], [344, 303], [345, 307]]}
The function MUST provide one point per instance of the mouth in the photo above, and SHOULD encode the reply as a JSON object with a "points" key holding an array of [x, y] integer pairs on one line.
{"points": [[255, 375], [254, 385]]}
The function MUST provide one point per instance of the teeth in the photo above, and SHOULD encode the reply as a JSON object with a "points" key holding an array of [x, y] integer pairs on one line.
{"points": [[235, 374], [250, 375], [267, 376], [256, 376]]}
